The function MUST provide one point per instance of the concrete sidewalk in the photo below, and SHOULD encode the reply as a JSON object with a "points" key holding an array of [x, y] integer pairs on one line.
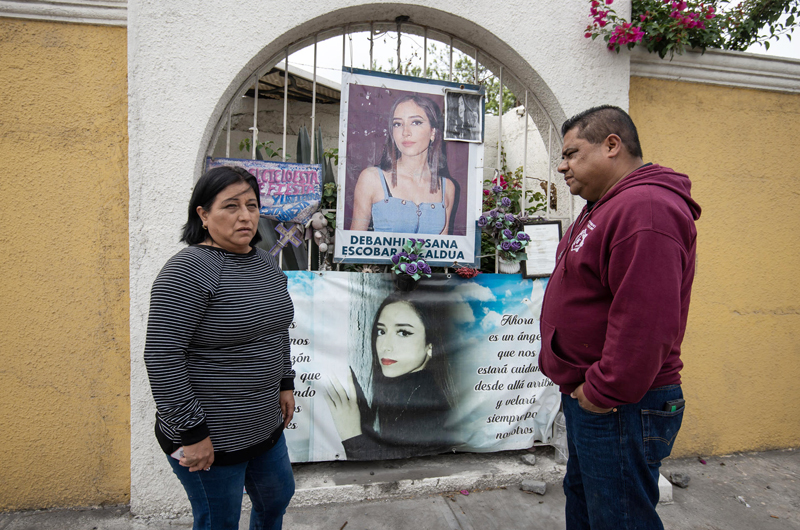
{"points": [[747, 491]]}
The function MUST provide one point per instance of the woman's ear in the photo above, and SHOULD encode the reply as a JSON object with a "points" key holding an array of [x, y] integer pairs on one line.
{"points": [[203, 214], [429, 351]]}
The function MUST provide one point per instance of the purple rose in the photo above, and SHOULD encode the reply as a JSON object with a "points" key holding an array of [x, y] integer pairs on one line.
{"points": [[404, 254], [508, 234], [413, 241], [506, 245], [396, 259], [413, 257], [509, 218], [522, 236], [425, 267], [422, 241], [515, 246], [499, 225], [497, 189], [482, 221], [411, 268], [506, 202], [492, 213]]}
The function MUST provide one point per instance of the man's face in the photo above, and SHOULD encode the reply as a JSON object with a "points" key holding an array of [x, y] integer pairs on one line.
{"points": [[584, 166]]}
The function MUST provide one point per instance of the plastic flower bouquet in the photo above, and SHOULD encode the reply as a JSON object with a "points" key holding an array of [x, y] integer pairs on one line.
{"points": [[407, 264], [505, 228]]}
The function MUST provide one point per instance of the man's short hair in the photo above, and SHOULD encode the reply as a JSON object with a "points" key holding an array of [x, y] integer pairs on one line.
{"points": [[595, 124]]}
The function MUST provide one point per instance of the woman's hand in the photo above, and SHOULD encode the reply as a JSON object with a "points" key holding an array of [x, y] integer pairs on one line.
{"points": [[344, 409], [198, 456], [287, 406]]}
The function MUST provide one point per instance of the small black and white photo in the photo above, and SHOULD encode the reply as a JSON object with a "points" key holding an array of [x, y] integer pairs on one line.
{"points": [[463, 116]]}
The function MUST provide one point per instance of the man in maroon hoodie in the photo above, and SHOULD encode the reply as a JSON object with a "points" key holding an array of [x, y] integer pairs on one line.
{"points": [[613, 318]]}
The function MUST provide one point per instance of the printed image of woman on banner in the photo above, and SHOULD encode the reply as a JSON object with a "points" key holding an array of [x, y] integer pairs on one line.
{"points": [[410, 385], [401, 177], [450, 366]]}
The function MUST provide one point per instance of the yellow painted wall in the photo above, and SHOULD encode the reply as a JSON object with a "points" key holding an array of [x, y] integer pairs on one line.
{"points": [[742, 346], [64, 334]]}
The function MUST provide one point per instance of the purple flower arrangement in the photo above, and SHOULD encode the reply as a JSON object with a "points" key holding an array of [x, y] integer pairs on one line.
{"points": [[505, 228], [408, 261]]}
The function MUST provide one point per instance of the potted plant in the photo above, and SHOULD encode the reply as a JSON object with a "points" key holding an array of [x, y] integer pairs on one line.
{"points": [[506, 230], [408, 266]]}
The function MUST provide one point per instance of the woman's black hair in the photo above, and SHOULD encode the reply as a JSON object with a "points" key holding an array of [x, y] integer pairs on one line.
{"points": [[437, 156], [205, 192], [431, 314]]}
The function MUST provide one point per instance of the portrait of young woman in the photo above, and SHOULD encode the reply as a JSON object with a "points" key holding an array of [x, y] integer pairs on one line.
{"points": [[463, 117], [412, 390], [410, 191], [401, 176]]}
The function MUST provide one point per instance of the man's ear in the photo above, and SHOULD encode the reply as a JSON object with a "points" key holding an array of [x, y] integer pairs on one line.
{"points": [[612, 145]]}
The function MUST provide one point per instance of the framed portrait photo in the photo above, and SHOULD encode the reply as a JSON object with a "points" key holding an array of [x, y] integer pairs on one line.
{"points": [[463, 116], [541, 250], [389, 125]]}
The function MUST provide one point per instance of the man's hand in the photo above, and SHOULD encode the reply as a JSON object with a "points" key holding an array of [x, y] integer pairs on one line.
{"points": [[287, 406], [584, 402]]}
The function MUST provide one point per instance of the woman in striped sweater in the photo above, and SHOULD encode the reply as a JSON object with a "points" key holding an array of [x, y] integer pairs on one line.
{"points": [[218, 359]]}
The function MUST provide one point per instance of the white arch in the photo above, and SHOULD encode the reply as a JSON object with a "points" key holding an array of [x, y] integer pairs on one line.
{"points": [[185, 62]]}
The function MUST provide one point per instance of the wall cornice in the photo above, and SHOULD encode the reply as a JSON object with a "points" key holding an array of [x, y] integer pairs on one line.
{"points": [[103, 12], [720, 67]]}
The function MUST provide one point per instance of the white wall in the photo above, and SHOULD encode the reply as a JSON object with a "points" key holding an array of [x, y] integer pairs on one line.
{"points": [[187, 58]]}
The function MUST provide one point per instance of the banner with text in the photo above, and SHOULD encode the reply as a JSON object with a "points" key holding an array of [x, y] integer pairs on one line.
{"points": [[290, 193], [386, 374]]}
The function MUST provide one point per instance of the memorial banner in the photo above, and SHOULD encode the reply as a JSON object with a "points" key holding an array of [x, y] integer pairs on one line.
{"points": [[290, 193], [400, 175], [449, 366]]}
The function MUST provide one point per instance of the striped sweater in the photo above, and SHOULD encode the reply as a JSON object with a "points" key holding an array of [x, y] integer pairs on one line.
{"points": [[217, 351]]}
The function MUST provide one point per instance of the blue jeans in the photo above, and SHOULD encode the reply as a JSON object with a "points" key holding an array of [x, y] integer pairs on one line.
{"points": [[216, 494], [612, 471]]}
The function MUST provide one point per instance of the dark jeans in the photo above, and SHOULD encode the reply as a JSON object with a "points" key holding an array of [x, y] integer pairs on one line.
{"points": [[612, 471], [216, 494]]}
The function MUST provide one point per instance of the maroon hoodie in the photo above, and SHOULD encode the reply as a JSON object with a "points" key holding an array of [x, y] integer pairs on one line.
{"points": [[614, 312]]}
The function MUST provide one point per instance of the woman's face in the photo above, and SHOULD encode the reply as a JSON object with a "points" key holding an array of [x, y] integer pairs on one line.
{"points": [[400, 344], [232, 220], [411, 129]]}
